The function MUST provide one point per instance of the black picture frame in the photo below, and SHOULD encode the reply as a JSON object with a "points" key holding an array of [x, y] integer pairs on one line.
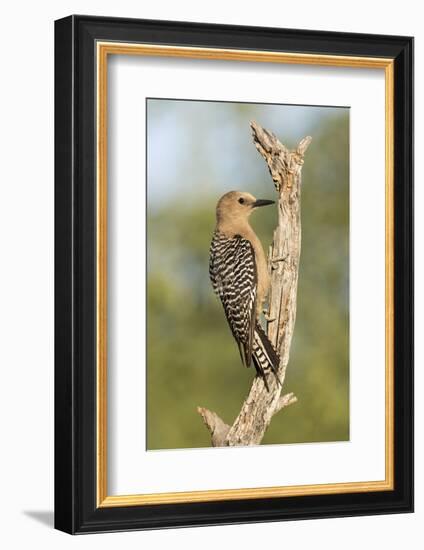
{"points": [[76, 508]]}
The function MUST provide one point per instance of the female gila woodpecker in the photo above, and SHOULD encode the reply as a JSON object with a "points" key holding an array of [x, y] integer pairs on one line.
{"points": [[239, 276]]}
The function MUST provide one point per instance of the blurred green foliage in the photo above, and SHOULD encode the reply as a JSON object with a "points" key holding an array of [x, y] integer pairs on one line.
{"points": [[192, 358]]}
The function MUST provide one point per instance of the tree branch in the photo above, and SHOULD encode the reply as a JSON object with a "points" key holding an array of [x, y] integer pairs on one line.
{"points": [[260, 405]]}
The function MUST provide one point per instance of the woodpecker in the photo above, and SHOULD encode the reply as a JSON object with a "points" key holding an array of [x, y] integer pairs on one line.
{"points": [[239, 275]]}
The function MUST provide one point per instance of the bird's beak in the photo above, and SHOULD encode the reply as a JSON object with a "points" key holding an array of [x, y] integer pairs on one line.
{"points": [[262, 202]]}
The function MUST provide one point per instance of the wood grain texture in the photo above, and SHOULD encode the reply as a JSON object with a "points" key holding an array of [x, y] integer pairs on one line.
{"points": [[285, 167]]}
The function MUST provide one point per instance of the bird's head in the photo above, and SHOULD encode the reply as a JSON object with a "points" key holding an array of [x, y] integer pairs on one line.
{"points": [[236, 206]]}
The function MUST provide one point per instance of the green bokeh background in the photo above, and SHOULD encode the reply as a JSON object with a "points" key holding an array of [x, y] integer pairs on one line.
{"points": [[197, 151]]}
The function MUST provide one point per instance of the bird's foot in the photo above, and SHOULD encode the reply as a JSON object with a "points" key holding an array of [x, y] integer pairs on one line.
{"points": [[267, 316], [277, 260]]}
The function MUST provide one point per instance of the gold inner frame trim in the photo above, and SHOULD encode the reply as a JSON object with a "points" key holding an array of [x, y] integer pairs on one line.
{"points": [[104, 49]]}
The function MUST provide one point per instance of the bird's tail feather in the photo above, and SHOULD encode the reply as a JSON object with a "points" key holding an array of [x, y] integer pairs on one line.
{"points": [[265, 357]]}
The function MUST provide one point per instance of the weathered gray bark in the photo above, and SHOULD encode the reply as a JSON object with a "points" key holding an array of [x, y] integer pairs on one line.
{"points": [[260, 405]]}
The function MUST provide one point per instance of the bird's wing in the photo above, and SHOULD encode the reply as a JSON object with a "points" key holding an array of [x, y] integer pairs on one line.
{"points": [[234, 279]]}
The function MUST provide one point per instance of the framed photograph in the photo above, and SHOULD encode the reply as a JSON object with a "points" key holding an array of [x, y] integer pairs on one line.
{"points": [[234, 274]]}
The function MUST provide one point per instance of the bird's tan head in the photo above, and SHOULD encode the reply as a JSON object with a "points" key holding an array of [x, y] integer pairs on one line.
{"points": [[235, 207]]}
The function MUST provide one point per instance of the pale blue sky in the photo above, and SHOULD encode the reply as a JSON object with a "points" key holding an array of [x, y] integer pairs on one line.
{"points": [[207, 146]]}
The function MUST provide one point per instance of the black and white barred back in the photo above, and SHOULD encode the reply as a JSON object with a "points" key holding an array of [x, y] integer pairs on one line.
{"points": [[232, 270]]}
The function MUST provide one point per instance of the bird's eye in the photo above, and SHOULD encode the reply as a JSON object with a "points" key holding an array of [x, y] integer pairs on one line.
{"points": [[241, 200]]}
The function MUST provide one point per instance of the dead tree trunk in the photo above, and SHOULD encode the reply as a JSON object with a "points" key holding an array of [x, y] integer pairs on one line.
{"points": [[260, 405]]}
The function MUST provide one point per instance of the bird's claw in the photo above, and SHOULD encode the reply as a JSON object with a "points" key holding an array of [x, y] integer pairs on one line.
{"points": [[278, 259], [267, 316]]}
